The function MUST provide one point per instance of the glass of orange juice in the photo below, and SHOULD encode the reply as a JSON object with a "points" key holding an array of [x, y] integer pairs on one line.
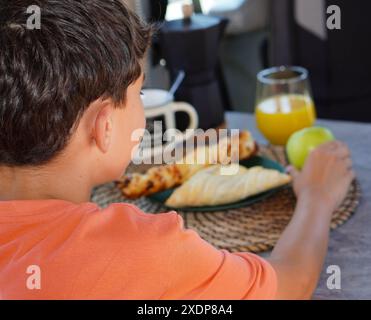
{"points": [[284, 103]]}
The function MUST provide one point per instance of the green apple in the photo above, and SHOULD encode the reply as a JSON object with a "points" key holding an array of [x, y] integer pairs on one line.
{"points": [[302, 142]]}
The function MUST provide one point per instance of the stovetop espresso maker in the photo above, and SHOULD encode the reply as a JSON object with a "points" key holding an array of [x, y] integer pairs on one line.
{"points": [[192, 45]]}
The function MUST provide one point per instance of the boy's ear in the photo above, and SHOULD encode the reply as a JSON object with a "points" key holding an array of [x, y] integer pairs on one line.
{"points": [[103, 127]]}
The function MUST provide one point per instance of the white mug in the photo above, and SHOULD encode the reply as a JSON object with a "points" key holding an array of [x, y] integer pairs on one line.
{"points": [[159, 102]]}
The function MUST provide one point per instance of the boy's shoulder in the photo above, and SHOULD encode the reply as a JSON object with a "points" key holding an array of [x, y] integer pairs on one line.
{"points": [[135, 217], [127, 221], [83, 251], [87, 224]]}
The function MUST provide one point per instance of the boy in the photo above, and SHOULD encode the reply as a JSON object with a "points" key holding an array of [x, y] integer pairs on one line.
{"points": [[69, 101]]}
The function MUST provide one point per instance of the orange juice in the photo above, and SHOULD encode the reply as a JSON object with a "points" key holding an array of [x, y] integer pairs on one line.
{"points": [[280, 116]]}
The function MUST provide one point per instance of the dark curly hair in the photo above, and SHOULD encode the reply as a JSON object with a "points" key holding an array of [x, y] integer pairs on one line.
{"points": [[85, 49]]}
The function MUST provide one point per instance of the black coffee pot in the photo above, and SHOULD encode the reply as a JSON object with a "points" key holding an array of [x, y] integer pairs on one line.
{"points": [[192, 45]]}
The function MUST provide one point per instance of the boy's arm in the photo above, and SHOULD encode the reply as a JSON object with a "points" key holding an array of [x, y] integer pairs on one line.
{"points": [[300, 252]]}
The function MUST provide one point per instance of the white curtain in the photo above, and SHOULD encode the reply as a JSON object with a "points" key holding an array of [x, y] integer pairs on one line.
{"points": [[310, 15]]}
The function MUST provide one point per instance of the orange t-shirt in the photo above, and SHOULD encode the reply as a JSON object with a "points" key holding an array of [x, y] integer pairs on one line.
{"points": [[83, 252]]}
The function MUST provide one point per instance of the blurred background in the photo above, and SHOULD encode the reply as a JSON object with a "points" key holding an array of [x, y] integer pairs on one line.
{"points": [[257, 34]]}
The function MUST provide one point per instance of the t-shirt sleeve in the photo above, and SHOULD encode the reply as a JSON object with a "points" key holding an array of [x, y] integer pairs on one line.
{"points": [[197, 270]]}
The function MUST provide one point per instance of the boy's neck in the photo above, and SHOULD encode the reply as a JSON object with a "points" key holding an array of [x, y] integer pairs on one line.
{"points": [[44, 184]]}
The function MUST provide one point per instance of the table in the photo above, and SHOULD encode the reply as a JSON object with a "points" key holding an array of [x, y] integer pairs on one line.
{"points": [[350, 245]]}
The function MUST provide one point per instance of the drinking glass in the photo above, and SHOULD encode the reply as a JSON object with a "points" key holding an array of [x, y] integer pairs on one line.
{"points": [[284, 103]]}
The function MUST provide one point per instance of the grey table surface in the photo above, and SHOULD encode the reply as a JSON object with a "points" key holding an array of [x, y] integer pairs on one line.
{"points": [[350, 245]]}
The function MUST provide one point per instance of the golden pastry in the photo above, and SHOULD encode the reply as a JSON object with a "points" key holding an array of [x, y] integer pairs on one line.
{"points": [[161, 178], [210, 188]]}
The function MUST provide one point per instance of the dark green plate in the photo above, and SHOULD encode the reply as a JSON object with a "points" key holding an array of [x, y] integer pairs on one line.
{"points": [[161, 197]]}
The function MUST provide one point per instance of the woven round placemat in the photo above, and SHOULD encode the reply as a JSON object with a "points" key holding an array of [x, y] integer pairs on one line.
{"points": [[255, 228]]}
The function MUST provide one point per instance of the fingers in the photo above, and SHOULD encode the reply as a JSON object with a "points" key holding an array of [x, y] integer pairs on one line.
{"points": [[348, 163], [349, 177], [291, 170], [338, 148], [340, 154]]}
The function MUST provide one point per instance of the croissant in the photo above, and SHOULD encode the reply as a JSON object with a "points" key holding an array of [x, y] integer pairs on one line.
{"points": [[165, 177], [209, 188]]}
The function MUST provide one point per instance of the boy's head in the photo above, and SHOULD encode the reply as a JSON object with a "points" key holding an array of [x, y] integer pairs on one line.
{"points": [[71, 89]]}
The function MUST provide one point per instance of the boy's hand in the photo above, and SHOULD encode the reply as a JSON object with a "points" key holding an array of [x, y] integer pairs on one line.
{"points": [[300, 252], [326, 175]]}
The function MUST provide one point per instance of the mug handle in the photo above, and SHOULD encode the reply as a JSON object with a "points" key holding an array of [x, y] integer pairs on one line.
{"points": [[191, 111]]}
